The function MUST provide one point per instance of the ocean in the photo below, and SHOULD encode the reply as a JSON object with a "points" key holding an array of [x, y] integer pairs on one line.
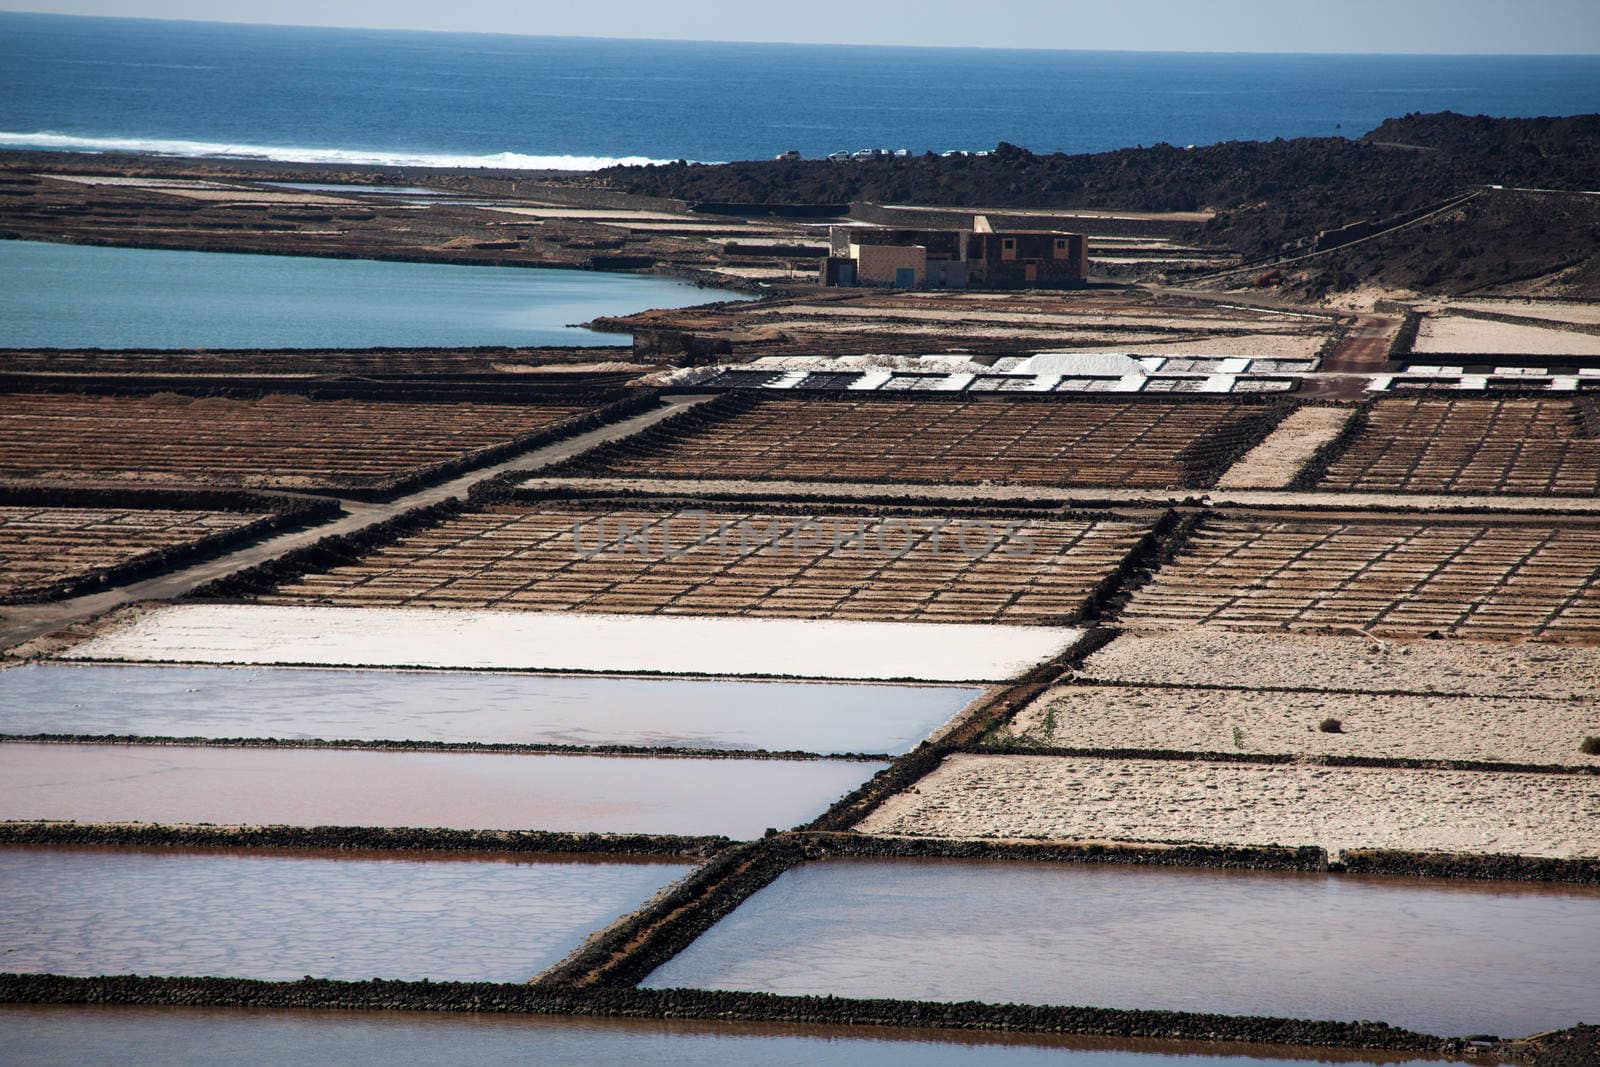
{"points": [[387, 97]]}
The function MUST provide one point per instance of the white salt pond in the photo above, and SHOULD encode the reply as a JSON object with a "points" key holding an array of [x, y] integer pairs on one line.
{"points": [[451, 706], [555, 641], [78, 1034], [251, 915], [1448, 958], [738, 798]]}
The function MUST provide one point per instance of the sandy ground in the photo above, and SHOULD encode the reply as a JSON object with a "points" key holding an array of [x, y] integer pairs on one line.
{"points": [[1295, 661], [445, 638], [252, 196], [1042, 337], [602, 367], [1086, 317], [1143, 245], [1174, 260], [1073, 213], [1249, 804], [1506, 730], [1365, 298], [138, 183], [594, 214], [712, 231], [1456, 333], [763, 273], [1255, 345], [1281, 454], [1537, 309]]}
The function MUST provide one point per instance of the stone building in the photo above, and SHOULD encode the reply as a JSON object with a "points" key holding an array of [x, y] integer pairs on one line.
{"points": [[955, 259]]}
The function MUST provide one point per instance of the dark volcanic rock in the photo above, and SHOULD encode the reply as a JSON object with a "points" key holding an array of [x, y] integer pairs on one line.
{"points": [[1578, 1047], [1270, 196]]}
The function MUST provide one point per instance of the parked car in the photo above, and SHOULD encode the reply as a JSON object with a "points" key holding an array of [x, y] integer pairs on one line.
{"points": [[793, 153], [902, 153], [839, 157]]}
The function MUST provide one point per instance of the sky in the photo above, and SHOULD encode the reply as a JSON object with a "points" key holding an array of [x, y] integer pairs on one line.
{"points": [[1408, 26]]}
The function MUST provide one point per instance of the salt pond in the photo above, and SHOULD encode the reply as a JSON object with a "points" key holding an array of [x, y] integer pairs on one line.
{"points": [[557, 641], [81, 1034], [739, 798], [285, 702], [242, 915], [81, 296], [1450, 958]]}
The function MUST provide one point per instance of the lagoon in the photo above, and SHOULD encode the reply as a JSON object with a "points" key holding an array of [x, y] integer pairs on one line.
{"points": [[82, 296]]}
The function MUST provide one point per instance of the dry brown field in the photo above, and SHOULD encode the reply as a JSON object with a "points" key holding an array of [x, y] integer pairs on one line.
{"points": [[41, 547], [678, 562], [1446, 445], [279, 441], [1477, 580], [993, 439]]}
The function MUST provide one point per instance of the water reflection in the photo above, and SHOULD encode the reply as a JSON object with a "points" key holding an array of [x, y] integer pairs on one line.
{"points": [[288, 702], [244, 915], [1445, 958], [74, 1035], [461, 790]]}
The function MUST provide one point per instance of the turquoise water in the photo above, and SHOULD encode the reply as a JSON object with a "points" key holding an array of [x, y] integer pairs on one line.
{"points": [[80, 296]]}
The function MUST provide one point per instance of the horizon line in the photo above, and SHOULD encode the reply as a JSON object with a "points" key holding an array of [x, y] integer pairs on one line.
{"points": [[781, 44]]}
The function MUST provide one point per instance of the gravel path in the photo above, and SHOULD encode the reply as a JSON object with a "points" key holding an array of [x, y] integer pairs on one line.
{"points": [[1282, 454]]}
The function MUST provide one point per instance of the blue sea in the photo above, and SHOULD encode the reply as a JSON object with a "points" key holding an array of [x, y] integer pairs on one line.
{"points": [[369, 96]]}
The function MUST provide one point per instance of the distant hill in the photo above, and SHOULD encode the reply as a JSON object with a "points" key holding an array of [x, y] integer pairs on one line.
{"points": [[1269, 195]]}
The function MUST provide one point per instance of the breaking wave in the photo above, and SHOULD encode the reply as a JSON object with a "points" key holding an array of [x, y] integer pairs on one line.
{"points": [[295, 154]]}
